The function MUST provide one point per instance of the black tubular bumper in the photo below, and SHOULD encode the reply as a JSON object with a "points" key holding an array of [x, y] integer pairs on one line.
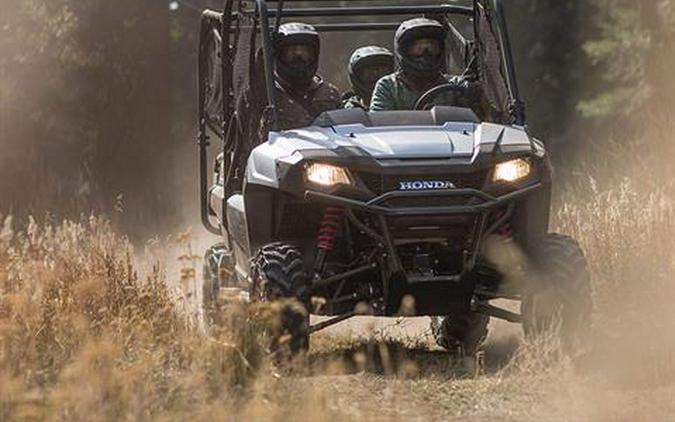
{"points": [[377, 205]]}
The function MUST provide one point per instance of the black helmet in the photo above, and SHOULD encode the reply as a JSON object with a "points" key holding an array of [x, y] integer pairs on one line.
{"points": [[366, 66], [296, 51], [430, 63]]}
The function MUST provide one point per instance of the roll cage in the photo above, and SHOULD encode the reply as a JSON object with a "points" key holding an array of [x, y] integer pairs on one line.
{"points": [[236, 66]]}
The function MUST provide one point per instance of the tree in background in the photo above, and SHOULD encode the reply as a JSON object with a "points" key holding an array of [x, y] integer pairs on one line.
{"points": [[548, 36], [634, 53], [84, 100], [629, 107]]}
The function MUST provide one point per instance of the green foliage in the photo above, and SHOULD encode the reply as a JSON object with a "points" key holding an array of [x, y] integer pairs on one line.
{"points": [[608, 103], [552, 69], [633, 55]]}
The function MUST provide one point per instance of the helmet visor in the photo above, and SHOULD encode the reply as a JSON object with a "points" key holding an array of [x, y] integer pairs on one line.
{"points": [[421, 47], [298, 54]]}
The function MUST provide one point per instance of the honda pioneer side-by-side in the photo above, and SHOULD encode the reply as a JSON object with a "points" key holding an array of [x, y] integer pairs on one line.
{"points": [[371, 210]]}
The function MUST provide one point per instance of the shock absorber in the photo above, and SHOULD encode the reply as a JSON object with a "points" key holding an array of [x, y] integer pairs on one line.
{"points": [[504, 230], [330, 224]]}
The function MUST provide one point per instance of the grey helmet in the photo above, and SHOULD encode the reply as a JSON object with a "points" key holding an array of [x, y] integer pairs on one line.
{"points": [[296, 73], [366, 66], [422, 69]]}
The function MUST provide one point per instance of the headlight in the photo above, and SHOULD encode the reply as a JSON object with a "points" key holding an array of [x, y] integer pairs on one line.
{"points": [[512, 171], [327, 175]]}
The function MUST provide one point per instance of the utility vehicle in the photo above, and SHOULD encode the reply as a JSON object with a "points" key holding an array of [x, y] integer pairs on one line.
{"points": [[369, 211]]}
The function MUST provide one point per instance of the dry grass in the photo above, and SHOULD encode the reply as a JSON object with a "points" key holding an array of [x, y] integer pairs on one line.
{"points": [[84, 336]]}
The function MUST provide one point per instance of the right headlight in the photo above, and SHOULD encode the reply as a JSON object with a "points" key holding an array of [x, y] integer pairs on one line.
{"points": [[512, 171], [327, 175]]}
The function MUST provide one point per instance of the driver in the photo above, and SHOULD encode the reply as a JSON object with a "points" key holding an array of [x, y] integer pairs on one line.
{"points": [[301, 93], [420, 53], [366, 66]]}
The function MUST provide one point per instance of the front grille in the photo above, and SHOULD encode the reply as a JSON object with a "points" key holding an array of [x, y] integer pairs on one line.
{"points": [[428, 201], [456, 229], [379, 184]]}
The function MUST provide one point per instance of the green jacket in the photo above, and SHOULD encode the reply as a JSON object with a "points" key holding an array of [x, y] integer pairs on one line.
{"points": [[393, 93]]}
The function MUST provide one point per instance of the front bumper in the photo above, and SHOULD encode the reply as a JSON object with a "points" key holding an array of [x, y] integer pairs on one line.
{"points": [[481, 201]]}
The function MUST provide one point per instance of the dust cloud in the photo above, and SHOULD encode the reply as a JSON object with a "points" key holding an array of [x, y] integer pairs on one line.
{"points": [[96, 116]]}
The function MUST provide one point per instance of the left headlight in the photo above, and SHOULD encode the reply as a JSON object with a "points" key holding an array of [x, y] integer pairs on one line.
{"points": [[512, 171], [327, 175]]}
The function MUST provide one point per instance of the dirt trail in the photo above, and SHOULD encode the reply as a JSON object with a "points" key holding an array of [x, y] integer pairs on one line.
{"points": [[520, 382]]}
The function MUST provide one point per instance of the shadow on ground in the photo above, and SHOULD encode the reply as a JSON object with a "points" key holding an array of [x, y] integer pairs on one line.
{"points": [[393, 357]]}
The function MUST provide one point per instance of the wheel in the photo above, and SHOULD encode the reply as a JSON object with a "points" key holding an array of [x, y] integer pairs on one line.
{"points": [[559, 291], [465, 332], [210, 284], [216, 260], [278, 277]]}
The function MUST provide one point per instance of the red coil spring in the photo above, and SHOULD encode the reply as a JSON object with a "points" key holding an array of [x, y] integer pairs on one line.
{"points": [[504, 231], [330, 224]]}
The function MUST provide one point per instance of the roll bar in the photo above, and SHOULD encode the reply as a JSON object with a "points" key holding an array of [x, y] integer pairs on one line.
{"points": [[210, 21], [313, 12], [261, 9], [518, 105]]}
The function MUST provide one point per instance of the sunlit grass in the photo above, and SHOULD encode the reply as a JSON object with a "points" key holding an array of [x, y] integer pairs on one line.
{"points": [[87, 333]]}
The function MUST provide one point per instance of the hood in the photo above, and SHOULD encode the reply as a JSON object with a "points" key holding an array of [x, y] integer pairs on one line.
{"points": [[465, 141], [448, 141], [415, 143]]}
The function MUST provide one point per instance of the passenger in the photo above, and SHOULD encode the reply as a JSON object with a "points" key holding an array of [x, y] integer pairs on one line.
{"points": [[420, 54], [301, 94], [366, 66]]}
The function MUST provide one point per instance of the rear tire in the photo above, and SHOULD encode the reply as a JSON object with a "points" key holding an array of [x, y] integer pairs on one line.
{"points": [[559, 292], [213, 278], [278, 277], [211, 285]]}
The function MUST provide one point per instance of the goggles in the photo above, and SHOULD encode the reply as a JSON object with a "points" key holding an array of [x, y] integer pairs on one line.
{"points": [[424, 46], [298, 53]]}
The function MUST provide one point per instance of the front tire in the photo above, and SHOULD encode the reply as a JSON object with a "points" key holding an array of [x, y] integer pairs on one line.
{"points": [[278, 277], [559, 292]]}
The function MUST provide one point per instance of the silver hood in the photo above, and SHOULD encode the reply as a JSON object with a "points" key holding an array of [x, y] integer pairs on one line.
{"points": [[452, 140]]}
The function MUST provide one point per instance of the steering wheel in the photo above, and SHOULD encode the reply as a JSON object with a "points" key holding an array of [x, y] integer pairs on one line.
{"points": [[425, 100]]}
